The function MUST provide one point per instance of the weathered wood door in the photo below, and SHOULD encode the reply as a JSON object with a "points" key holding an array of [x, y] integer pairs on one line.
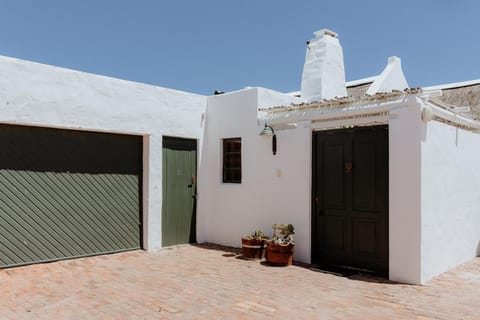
{"points": [[179, 190], [350, 198]]}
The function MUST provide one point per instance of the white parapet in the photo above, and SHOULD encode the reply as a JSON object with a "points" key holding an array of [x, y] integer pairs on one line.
{"points": [[391, 78]]}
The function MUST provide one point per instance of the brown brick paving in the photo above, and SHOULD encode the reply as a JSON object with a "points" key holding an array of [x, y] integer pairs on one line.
{"points": [[201, 282]]}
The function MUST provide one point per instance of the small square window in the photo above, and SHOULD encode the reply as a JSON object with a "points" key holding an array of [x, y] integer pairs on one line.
{"points": [[232, 160]]}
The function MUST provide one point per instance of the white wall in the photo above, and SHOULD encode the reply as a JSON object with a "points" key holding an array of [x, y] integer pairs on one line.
{"points": [[404, 194], [277, 189], [41, 95], [433, 185], [274, 189], [450, 197], [433, 168]]}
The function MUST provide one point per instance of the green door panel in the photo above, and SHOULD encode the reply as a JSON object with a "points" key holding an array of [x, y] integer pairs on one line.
{"points": [[66, 194], [179, 188]]}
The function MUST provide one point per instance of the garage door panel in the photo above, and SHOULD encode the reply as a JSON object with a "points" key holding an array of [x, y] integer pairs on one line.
{"points": [[67, 227], [49, 208], [58, 204], [121, 199], [22, 216], [67, 194], [98, 205], [99, 218]]}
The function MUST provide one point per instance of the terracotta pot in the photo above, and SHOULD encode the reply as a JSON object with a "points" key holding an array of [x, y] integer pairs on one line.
{"points": [[280, 255], [253, 249]]}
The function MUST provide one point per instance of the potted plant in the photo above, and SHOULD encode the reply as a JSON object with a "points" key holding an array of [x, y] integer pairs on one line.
{"points": [[280, 248], [253, 245]]}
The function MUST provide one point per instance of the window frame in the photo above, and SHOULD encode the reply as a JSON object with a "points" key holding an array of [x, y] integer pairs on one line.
{"points": [[227, 168]]}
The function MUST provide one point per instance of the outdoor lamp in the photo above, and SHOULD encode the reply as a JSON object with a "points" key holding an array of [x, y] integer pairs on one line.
{"points": [[269, 132]]}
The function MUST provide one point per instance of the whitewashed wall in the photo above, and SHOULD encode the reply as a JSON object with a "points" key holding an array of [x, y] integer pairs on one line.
{"points": [[450, 197], [277, 189], [434, 173], [404, 130], [274, 189], [42, 95]]}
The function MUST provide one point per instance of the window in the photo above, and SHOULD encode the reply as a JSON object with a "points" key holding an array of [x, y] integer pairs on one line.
{"points": [[232, 160]]}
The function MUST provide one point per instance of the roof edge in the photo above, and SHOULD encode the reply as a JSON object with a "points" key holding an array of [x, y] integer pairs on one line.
{"points": [[55, 68], [359, 82], [452, 85]]}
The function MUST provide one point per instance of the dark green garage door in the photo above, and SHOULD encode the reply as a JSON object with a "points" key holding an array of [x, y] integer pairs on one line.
{"points": [[67, 194]]}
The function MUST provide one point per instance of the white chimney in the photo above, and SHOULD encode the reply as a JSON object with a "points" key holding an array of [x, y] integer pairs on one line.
{"points": [[323, 73]]}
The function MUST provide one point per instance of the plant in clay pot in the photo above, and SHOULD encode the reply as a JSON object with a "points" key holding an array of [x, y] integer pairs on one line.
{"points": [[253, 245], [280, 249]]}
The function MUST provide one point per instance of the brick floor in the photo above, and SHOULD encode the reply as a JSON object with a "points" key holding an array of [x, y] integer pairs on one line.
{"points": [[199, 282]]}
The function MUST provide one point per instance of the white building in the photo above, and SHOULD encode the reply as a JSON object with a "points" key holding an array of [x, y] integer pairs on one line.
{"points": [[373, 176]]}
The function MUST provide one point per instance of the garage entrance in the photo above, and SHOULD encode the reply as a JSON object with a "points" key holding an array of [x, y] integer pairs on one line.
{"points": [[350, 198], [66, 194]]}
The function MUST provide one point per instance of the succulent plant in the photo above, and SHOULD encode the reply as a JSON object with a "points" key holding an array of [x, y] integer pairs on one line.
{"points": [[283, 234], [257, 235]]}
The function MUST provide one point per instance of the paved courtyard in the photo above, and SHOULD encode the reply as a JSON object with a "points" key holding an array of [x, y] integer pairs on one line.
{"points": [[205, 282]]}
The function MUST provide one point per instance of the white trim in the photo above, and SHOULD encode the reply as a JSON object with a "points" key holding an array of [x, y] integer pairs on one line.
{"points": [[453, 85], [74, 128], [373, 120], [359, 82], [145, 192], [444, 112], [352, 83], [356, 110], [294, 93]]}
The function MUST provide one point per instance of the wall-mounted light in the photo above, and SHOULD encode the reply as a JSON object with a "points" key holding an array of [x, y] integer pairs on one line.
{"points": [[268, 131], [427, 114]]}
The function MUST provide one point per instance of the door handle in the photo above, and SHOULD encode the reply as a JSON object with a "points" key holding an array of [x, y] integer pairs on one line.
{"points": [[192, 182]]}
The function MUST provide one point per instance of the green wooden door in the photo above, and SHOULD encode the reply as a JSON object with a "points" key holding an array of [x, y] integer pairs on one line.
{"points": [[179, 190], [66, 193]]}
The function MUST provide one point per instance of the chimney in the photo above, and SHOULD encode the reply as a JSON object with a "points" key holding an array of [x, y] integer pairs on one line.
{"points": [[323, 73]]}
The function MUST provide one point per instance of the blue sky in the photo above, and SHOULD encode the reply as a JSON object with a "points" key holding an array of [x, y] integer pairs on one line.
{"points": [[201, 46]]}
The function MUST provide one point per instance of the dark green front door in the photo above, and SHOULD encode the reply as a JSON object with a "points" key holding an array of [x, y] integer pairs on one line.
{"points": [[350, 198], [179, 190], [66, 193]]}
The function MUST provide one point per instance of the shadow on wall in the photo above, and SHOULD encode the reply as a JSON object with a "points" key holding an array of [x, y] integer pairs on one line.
{"points": [[478, 249]]}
